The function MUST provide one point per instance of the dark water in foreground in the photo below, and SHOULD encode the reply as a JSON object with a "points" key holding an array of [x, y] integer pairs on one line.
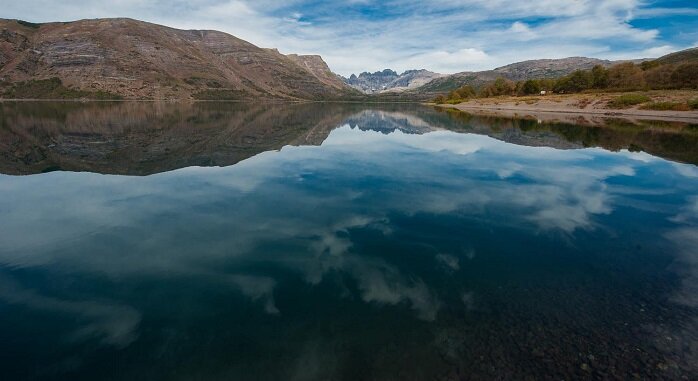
{"points": [[391, 243]]}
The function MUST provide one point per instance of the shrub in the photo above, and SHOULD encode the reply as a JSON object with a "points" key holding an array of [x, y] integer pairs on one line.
{"points": [[52, 88], [220, 95], [647, 65], [693, 104], [458, 95], [659, 77], [626, 76], [685, 76], [453, 95], [666, 106], [628, 100], [465, 92], [500, 86], [440, 99]]}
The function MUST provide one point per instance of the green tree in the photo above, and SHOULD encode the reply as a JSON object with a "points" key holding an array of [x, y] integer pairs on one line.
{"points": [[599, 77], [531, 86], [547, 84], [577, 81]]}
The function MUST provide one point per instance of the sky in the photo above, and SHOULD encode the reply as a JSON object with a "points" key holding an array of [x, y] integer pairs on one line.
{"points": [[444, 36]]}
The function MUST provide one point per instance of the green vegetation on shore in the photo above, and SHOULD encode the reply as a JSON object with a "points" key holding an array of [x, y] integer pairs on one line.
{"points": [[649, 75], [221, 95], [52, 88], [627, 100], [666, 106]]}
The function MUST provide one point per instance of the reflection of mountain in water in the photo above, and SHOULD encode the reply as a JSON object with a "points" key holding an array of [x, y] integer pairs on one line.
{"points": [[670, 140], [389, 121], [144, 138]]}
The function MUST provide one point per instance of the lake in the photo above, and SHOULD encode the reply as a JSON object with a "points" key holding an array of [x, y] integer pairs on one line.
{"points": [[206, 241]]}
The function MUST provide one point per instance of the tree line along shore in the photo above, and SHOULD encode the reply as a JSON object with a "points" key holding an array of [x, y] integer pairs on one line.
{"points": [[628, 78]]}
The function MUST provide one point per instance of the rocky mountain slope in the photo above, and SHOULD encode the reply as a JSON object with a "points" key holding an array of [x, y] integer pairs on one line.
{"points": [[135, 59], [318, 68], [545, 68], [684, 56], [390, 81], [533, 69]]}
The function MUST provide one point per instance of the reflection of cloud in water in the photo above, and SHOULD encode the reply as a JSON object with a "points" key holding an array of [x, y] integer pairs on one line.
{"points": [[508, 169], [449, 261], [690, 171], [689, 212], [686, 240], [684, 338], [114, 324], [378, 281], [257, 288], [382, 283], [311, 196]]}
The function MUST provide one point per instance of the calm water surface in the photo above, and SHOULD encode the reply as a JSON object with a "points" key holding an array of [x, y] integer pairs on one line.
{"points": [[144, 241]]}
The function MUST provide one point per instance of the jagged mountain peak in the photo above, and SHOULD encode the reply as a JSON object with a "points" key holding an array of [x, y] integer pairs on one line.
{"points": [[389, 80]]}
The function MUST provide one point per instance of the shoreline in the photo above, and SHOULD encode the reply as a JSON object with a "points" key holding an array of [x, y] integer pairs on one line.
{"points": [[257, 101], [566, 110]]}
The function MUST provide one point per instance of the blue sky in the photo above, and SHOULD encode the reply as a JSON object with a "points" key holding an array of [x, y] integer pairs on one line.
{"points": [[445, 36]]}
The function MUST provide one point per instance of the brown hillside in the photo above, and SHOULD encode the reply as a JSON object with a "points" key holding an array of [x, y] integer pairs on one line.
{"points": [[142, 60]]}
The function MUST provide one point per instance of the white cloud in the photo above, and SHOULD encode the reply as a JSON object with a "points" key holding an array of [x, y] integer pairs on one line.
{"points": [[522, 31], [443, 36]]}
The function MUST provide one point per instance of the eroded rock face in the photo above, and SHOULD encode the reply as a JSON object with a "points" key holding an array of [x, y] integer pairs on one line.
{"points": [[370, 83], [141, 60], [318, 67], [11, 44]]}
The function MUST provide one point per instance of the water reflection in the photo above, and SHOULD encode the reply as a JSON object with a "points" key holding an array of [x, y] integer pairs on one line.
{"points": [[378, 243], [144, 138]]}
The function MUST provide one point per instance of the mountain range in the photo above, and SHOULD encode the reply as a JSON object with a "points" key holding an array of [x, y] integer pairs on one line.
{"points": [[129, 59], [414, 82], [135, 59], [390, 81], [532, 69]]}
